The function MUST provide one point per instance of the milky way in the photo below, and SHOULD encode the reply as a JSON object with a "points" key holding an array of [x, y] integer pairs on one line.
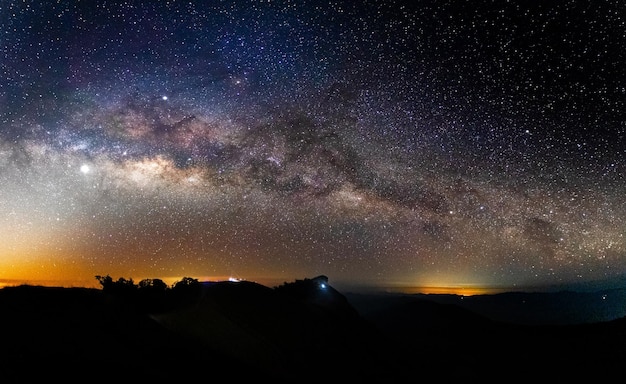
{"points": [[435, 143]]}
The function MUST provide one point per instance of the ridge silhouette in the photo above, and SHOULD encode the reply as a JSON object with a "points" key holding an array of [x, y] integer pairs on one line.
{"points": [[299, 332]]}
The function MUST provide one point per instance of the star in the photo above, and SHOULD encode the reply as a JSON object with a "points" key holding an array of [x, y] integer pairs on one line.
{"points": [[460, 144]]}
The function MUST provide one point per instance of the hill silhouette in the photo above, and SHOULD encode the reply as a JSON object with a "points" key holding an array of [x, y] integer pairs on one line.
{"points": [[299, 332]]}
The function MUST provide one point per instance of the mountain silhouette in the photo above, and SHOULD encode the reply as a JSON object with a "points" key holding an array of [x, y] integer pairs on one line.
{"points": [[284, 331], [299, 332]]}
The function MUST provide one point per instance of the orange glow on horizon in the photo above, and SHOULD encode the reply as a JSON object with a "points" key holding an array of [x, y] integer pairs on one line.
{"points": [[449, 290], [67, 282]]}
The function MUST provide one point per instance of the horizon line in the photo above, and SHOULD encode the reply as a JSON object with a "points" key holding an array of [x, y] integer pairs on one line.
{"points": [[459, 290]]}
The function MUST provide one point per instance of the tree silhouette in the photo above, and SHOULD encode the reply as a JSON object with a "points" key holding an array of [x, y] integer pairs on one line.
{"points": [[186, 290], [106, 282], [153, 285], [151, 295], [303, 288], [122, 286], [185, 283]]}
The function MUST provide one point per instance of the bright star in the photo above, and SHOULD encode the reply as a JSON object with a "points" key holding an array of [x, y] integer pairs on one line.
{"points": [[84, 169]]}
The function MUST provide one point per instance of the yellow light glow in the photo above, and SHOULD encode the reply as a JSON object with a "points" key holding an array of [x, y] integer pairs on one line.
{"points": [[455, 290]]}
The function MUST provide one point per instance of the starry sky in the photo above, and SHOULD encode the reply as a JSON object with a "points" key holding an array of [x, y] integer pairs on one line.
{"points": [[380, 143]]}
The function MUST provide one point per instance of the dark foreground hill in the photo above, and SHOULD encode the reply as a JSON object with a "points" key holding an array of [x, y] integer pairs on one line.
{"points": [[558, 307], [464, 346], [302, 332], [235, 331]]}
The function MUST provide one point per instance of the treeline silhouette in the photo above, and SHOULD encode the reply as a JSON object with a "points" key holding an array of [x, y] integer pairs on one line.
{"points": [[303, 331], [151, 295], [154, 295]]}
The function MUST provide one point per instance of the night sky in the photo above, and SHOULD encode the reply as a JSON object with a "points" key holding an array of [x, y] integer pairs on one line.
{"points": [[416, 143]]}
